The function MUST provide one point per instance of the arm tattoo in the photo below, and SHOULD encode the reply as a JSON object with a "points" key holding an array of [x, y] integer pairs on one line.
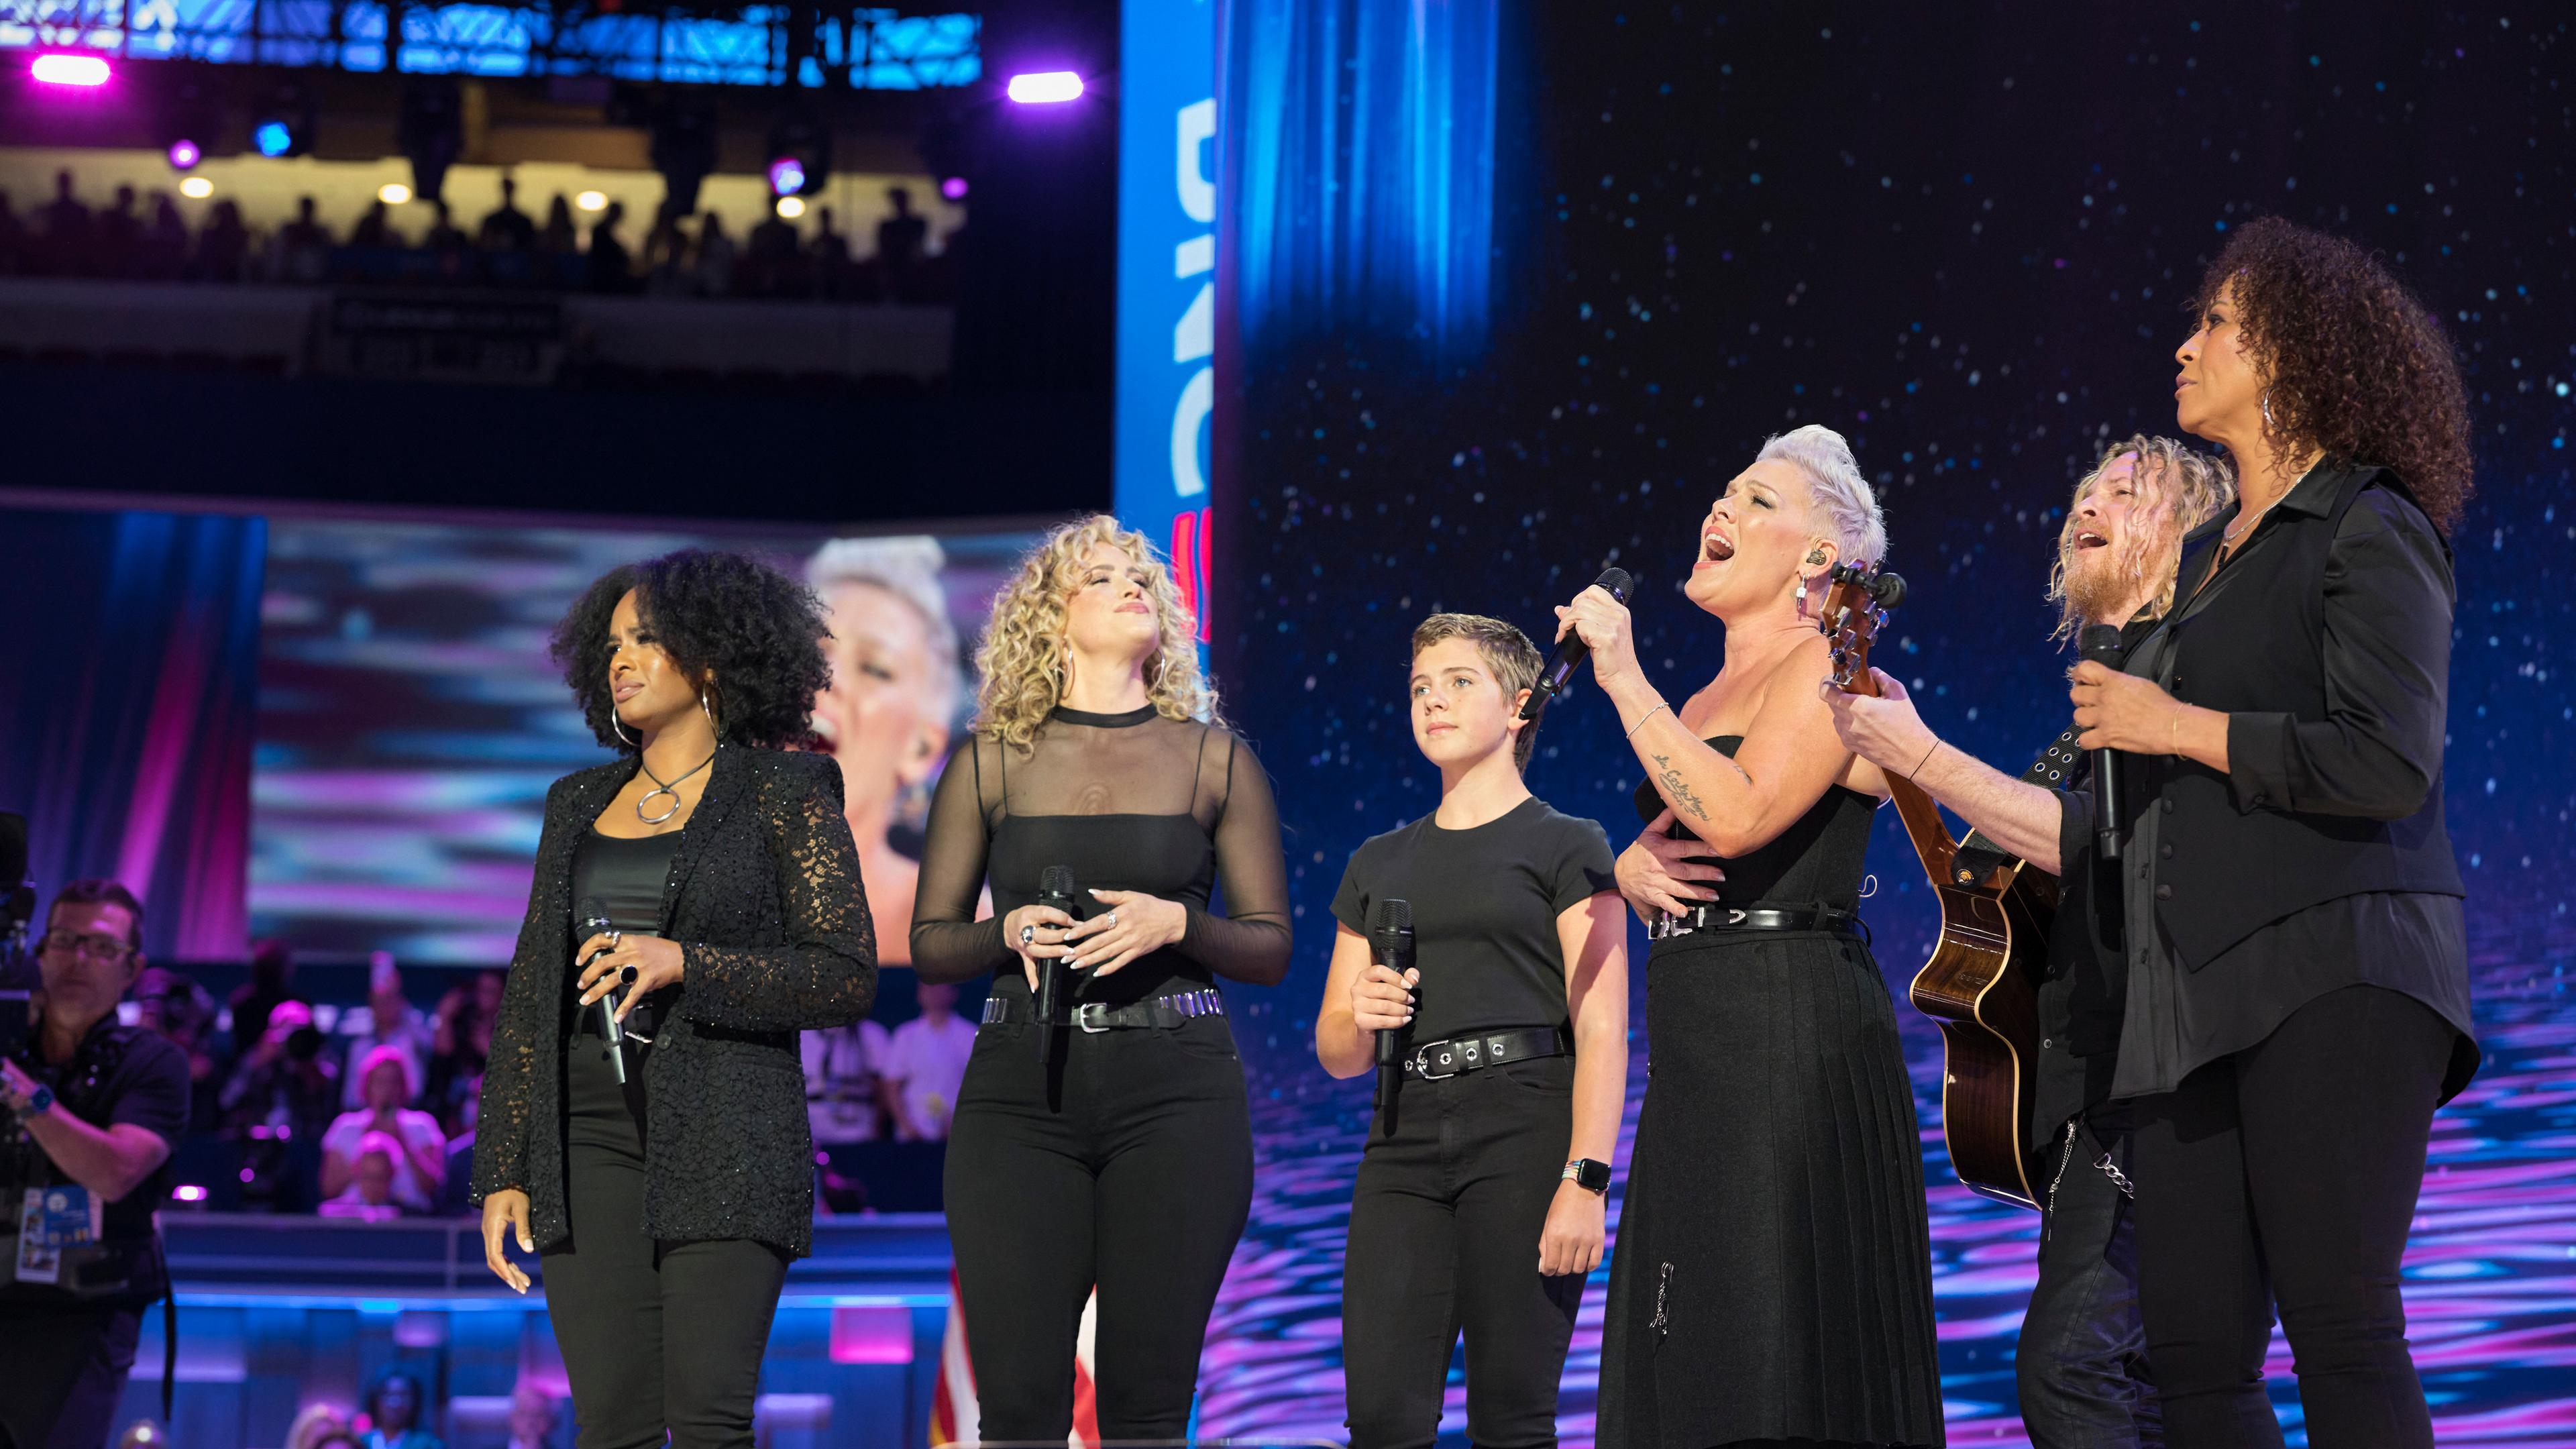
{"points": [[1679, 791]]}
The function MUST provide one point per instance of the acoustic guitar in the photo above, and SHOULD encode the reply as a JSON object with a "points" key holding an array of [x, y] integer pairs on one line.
{"points": [[1982, 982]]}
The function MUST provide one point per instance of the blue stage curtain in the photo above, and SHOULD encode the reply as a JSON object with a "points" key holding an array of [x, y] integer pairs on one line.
{"points": [[1359, 151], [128, 707]]}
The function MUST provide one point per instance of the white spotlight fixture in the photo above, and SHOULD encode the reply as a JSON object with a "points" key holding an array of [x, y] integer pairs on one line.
{"points": [[393, 193], [196, 188], [1045, 87], [791, 207], [592, 201]]}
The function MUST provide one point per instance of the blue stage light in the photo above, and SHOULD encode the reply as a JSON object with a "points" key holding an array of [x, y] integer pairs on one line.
{"points": [[273, 138]]}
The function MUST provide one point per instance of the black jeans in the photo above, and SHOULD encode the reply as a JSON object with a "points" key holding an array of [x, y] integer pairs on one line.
{"points": [[62, 1370], [1138, 1183], [2288, 1172], [1445, 1228], [655, 1335], [2082, 1360]]}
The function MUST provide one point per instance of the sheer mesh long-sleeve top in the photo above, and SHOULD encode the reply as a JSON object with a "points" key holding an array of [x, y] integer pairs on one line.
{"points": [[1132, 802]]}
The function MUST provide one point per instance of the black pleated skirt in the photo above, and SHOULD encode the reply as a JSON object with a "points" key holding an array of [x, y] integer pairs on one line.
{"points": [[1773, 1272]]}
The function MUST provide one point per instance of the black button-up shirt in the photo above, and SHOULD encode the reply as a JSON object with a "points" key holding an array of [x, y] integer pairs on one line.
{"points": [[2319, 860]]}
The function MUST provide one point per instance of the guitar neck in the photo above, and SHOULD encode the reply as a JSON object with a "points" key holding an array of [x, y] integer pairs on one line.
{"points": [[1922, 818]]}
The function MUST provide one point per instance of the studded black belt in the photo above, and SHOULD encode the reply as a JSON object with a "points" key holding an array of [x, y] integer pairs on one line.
{"points": [[1165, 1012], [1754, 918], [1440, 1060]]}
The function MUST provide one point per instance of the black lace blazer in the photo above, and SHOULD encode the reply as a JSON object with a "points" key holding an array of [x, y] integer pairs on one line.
{"points": [[764, 899]]}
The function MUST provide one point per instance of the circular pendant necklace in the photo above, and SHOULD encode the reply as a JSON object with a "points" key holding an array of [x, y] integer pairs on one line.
{"points": [[664, 787]]}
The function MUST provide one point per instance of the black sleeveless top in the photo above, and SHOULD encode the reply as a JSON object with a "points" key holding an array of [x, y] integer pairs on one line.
{"points": [[624, 875], [1131, 802], [1818, 860]]}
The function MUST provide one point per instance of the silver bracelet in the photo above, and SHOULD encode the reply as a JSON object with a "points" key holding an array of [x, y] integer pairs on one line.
{"points": [[1641, 719]]}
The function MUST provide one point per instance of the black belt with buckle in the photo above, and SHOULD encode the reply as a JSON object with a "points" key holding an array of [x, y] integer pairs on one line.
{"points": [[1440, 1060], [1165, 1012], [1756, 918]]}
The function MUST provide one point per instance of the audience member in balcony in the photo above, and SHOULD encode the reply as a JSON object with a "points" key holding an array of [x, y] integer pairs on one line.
{"points": [[902, 238], [666, 259], [611, 269], [183, 1014], [716, 254], [559, 239], [66, 227], [271, 985], [375, 228], [284, 1084], [113, 238], [829, 248], [507, 228], [393, 1415], [163, 251], [88, 1115], [533, 1417], [420, 1168], [459, 1047], [444, 234], [369, 1195], [302, 248], [388, 1019], [925, 1063], [222, 245], [13, 237]]}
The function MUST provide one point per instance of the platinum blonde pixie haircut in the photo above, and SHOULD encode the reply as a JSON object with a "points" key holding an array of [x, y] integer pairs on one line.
{"points": [[1846, 509], [907, 567]]}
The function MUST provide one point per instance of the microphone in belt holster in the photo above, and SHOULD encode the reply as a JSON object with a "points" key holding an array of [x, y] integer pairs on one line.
{"points": [[2100, 643], [1391, 943], [595, 921], [1055, 888], [1571, 651]]}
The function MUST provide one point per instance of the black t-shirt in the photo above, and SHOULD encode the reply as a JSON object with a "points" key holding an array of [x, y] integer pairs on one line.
{"points": [[1485, 902], [120, 1074]]}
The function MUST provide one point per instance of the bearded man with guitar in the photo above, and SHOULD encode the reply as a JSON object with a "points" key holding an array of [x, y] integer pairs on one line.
{"points": [[2082, 1359]]}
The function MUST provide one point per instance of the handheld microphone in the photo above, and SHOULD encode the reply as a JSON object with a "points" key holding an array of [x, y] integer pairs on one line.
{"points": [[1391, 942], [595, 921], [2100, 643], [1572, 651], [1055, 888]]}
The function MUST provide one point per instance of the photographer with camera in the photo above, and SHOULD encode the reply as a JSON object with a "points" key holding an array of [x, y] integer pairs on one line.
{"points": [[278, 1105], [92, 1111]]}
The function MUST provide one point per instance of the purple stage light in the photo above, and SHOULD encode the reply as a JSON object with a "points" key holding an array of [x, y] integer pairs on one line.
{"points": [[58, 69], [786, 176], [1045, 87], [954, 188], [185, 154]]}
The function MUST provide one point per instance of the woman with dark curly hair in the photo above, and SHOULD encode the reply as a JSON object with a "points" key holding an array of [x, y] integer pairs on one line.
{"points": [[700, 892], [1116, 1156], [2296, 964]]}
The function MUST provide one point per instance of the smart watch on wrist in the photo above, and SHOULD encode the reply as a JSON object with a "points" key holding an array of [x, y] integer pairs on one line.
{"points": [[1588, 1175]]}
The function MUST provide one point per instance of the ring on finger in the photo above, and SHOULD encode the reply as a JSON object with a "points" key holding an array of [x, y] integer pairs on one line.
{"points": [[1112, 919], [627, 974]]}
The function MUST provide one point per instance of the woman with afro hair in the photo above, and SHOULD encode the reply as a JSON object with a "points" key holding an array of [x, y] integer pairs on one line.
{"points": [[702, 891], [2297, 997]]}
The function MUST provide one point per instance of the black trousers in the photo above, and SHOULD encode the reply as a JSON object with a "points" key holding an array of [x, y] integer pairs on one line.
{"points": [[2288, 1173], [1136, 1178], [2082, 1360], [62, 1370], [1444, 1236], [656, 1336]]}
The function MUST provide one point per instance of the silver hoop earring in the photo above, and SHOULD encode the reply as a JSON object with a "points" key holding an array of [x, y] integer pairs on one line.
{"points": [[711, 717], [615, 724], [2267, 407]]}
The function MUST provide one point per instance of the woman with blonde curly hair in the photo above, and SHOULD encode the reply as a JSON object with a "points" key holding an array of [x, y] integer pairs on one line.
{"points": [[1118, 1156]]}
